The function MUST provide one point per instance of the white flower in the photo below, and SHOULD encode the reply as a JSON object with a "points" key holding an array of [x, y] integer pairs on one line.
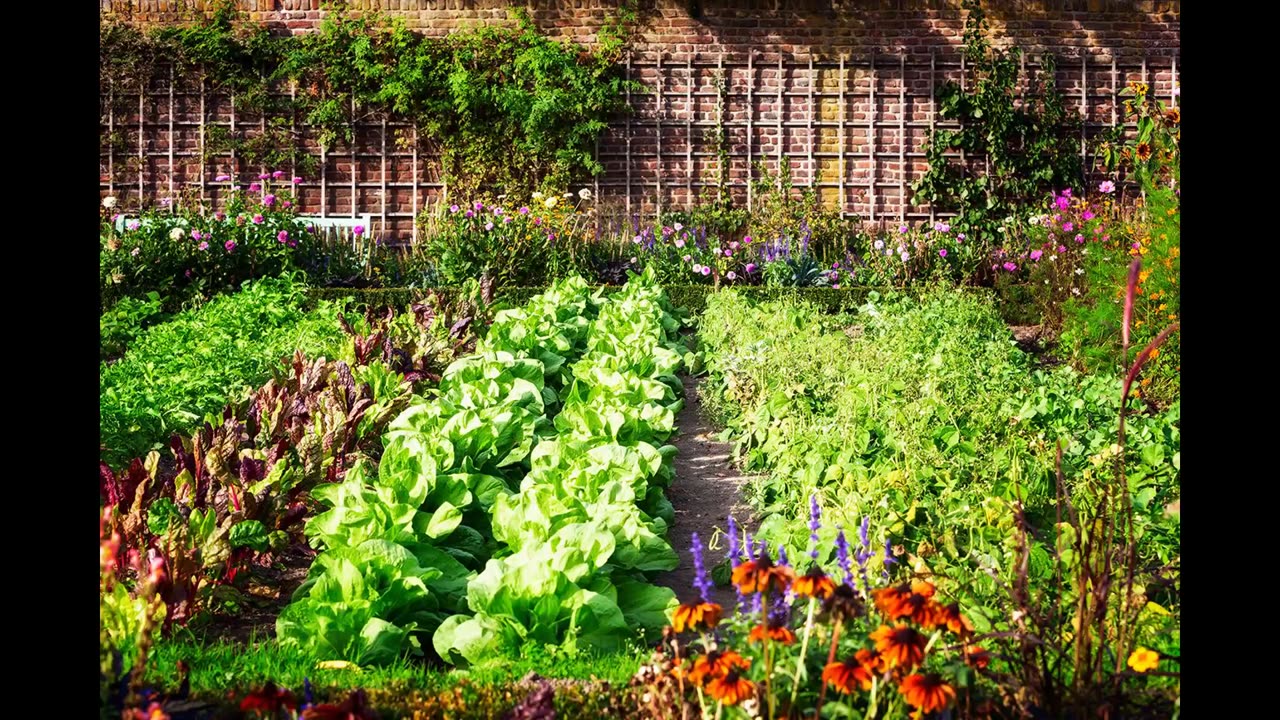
{"points": [[176, 234], [108, 202], [1053, 257], [1079, 271], [905, 256], [633, 261], [537, 196], [1075, 291], [1001, 229], [584, 194], [1034, 219], [677, 227], [551, 202], [878, 244], [697, 268], [567, 195]]}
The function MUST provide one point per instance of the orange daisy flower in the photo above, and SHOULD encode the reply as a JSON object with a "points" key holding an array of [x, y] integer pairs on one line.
{"points": [[871, 660], [913, 602], [731, 689], [927, 693], [847, 675], [696, 616], [814, 584], [843, 603], [716, 663], [760, 575], [949, 616], [901, 645], [776, 633]]}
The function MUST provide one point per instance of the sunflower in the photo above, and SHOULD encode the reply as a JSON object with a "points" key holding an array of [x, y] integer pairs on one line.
{"points": [[847, 675], [716, 663], [776, 633], [731, 689], [814, 584], [696, 616], [901, 645], [843, 603], [759, 575], [927, 693], [950, 617], [1173, 115], [1143, 151]]}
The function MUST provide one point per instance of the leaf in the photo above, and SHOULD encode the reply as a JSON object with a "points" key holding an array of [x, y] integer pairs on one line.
{"points": [[251, 534]]}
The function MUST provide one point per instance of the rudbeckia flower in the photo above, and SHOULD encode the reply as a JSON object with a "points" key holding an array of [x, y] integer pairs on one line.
{"points": [[847, 676], [777, 633], [927, 693], [761, 574], [731, 689], [716, 663], [814, 584], [900, 646], [695, 616]]}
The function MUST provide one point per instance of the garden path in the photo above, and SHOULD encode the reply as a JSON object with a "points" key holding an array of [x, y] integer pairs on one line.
{"points": [[707, 489]]}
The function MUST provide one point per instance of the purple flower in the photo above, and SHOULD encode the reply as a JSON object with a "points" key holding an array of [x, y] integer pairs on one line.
{"points": [[488, 226], [750, 268], [1035, 255], [257, 219], [203, 246], [731, 275], [133, 225], [297, 180], [842, 557], [747, 240], [1106, 186], [677, 227], [263, 176], [905, 256], [283, 236], [728, 253], [1068, 227], [469, 214], [1062, 248], [679, 242], [1010, 266], [1063, 202], [700, 579], [254, 187], [358, 230], [524, 210], [735, 550], [277, 174], [222, 178], [453, 208], [706, 270], [1088, 215], [478, 206], [1079, 238], [268, 200], [959, 237], [497, 212], [506, 220], [229, 245], [166, 202], [889, 559], [942, 252], [195, 234], [903, 229], [941, 227], [815, 524]]}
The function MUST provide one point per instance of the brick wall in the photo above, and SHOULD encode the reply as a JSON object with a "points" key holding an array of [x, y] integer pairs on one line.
{"points": [[856, 81]]}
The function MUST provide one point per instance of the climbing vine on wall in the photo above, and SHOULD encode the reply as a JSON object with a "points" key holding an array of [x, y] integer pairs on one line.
{"points": [[510, 109], [1031, 143]]}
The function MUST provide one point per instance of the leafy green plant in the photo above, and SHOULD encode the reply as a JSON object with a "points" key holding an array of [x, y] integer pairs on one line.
{"points": [[165, 383], [120, 325], [1031, 147]]}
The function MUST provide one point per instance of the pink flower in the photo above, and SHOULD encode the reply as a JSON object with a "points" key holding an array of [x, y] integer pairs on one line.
{"points": [[134, 252], [751, 267], [731, 275], [687, 258], [297, 181], [1062, 248], [488, 226], [1106, 186], [239, 220], [263, 176], [942, 252], [283, 236], [254, 187], [747, 240], [902, 229], [358, 230], [1068, 227], [1010, 266], [1088, 215], [1079, 238], [1035, 255], [229, 245], [133, 225], [941, 227], [1063, 202], [257, 219], [203, 246], [524, 210], [468, 213], [222, 178], [287, 204], [268, 200], [728, 253], [679, 242], [506, 219], [478, 206], [835, 266], [453, 208], [537, 221], [706, 270], [959, 237], [219, 216], [195, 234], [277, 174]]}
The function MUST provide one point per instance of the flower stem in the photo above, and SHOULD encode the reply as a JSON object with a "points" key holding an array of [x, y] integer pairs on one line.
{"points": [[831, 657], [804, 649]]}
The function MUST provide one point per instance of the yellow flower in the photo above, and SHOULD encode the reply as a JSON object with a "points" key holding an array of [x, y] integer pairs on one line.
{"points": [[1143, 660]]}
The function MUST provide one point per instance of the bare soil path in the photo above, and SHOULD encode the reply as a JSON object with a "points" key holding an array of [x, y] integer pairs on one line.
{"points": [[707, 489]]}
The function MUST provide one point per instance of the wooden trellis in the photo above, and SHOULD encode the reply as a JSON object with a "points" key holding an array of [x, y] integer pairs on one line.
{"points": [[851, 127]]}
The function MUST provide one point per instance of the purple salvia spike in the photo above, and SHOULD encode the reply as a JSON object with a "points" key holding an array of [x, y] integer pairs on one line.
{"points": [[842, 557], [735, 550], [815, 524], [863, 530], [701, 581], [782, 556]]}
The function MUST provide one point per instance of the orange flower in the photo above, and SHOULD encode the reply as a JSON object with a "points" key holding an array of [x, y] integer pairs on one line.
{"points": [[1143, 151], [847, 675], [776, 633], [976, 656], [814, 584], [695, 616], [760, 575], [871, 660], [901, 645], [913, 602], [1173, 115], [843, 603], [716, 663], [927, 693], [1143, 660], [731, 689], [949, 616]]}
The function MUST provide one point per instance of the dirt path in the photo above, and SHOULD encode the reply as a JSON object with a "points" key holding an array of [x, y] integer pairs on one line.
{"points": [[706, 490]]}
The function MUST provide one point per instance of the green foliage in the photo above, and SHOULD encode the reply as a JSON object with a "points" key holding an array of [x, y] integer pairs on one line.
{"points": [[179, 371], [121, 324], [509, 108], [1031, 147]]}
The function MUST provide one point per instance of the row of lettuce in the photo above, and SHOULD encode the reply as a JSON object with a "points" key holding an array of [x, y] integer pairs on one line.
{"points": [[923, 420], [520, 502]]}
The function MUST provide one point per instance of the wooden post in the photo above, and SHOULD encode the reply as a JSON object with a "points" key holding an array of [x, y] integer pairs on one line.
{"points": [[902, 137], [171, 107], [628, 132], [840, 133], [662, 94], [778, 111], [813, 167], [871, 139], [688, 130], [751, 111]]}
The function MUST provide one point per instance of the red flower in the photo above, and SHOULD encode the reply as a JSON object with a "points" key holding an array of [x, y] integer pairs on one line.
{"points": [[270, 699]]}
